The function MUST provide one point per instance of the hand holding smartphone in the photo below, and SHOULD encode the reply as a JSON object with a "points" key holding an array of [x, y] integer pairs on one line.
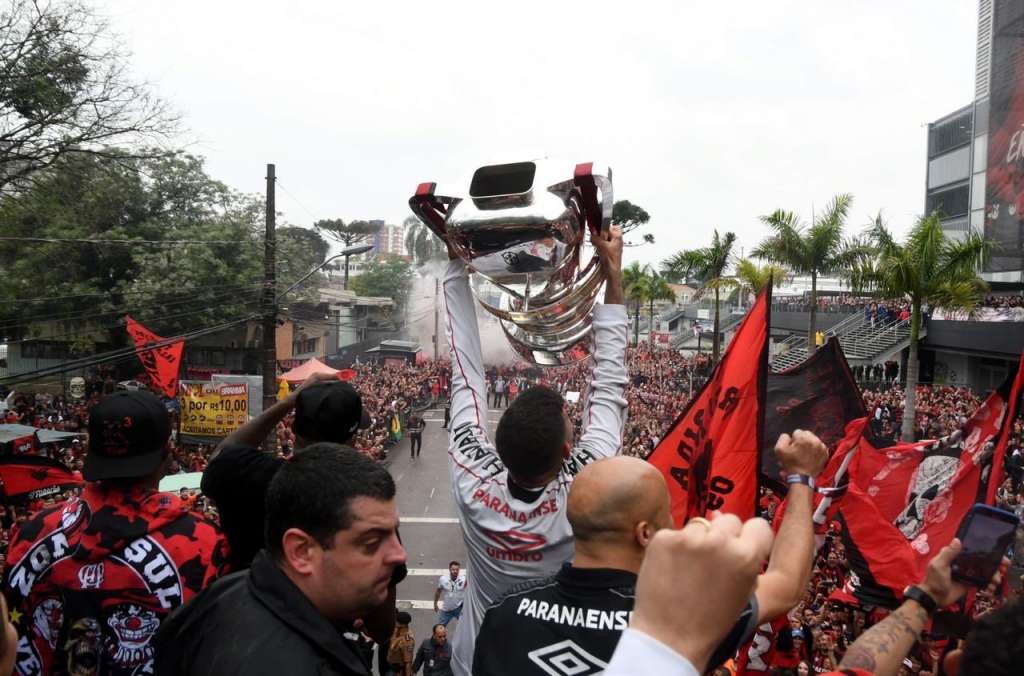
{"points": [[986, 534]]}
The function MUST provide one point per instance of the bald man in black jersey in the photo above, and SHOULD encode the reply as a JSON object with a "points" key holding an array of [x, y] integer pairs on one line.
{"points": [[616, 505]]}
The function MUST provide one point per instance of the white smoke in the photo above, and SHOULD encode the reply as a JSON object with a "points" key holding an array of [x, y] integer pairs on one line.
{"points": [[422, 307]]}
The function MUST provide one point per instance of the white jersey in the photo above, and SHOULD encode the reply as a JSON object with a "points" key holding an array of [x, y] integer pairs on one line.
{"points": [[510, 541], [453, 592]]}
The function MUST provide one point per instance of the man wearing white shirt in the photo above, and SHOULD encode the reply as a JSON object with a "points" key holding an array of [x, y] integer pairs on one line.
{"points": [[451, 593], [512, 493]]}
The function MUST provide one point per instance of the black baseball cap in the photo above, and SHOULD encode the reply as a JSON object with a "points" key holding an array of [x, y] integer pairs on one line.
{"points": [[329, 411], [128, 434]]}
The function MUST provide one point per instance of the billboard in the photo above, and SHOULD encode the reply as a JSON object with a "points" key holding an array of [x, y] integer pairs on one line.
{"points": [[212, 410], [255, 384], [1004, 191]]}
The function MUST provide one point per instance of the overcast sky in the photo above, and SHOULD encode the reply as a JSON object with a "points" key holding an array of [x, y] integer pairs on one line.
{"points": [[710, 113]]}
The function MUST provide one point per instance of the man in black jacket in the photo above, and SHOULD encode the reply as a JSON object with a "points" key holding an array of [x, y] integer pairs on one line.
{"points": [[435, 654], [332, 547], [239, 472]]}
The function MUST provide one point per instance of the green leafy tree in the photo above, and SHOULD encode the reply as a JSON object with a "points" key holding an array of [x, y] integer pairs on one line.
{"points": [[629, 217], [65, 89], [387, 277], [347, 234], [707, 266], [927, 267], [817, 250], [193, 255]]}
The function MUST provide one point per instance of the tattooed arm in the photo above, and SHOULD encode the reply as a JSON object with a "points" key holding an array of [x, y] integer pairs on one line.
{"points": [[882, 648]]}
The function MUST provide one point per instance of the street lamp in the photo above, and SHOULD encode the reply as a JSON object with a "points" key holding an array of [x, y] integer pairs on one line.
{"points": [[354, 250], [345, 253]]}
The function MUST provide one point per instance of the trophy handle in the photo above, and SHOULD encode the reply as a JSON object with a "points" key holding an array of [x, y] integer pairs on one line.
{"points": [[589, 181], [432, 209]]}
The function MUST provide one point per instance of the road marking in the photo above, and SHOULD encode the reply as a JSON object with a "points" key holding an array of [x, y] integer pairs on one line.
{"points": [[426, 509], [429, 519], [399, 477], [429, 572], [415, 605], [432, 491]]}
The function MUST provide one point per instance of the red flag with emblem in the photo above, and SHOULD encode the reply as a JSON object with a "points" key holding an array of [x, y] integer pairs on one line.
{"points": [[35, 477], [905, 502], [710, 455], [958, 471], [161, 362]]}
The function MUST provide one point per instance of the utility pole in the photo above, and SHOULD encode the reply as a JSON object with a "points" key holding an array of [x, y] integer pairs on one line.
{"points": [[268, 306], [437, 291]]}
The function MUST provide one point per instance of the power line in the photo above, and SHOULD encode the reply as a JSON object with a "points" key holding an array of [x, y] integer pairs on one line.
{"points": [[117, 355], [115, 325], [226, 292], [39, 299], [295, 199]]}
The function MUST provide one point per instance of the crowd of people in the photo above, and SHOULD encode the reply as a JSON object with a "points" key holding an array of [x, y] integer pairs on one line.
{"points": [[1004, 301], [814, 637], [880, 312]]}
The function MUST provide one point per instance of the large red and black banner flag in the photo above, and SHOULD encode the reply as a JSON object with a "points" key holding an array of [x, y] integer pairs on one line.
{"points": [[958, 471], [35, 477], [819, 395], [905, 502], [161, 363], [710, 455], [880, 560]]}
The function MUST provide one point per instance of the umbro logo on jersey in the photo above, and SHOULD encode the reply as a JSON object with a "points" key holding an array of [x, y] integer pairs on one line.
{"points": [[515, 545], [566, 659], [517, 541]]}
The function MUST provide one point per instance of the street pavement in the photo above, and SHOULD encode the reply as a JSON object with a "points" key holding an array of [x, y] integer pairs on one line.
{"points": [[430, 528]]}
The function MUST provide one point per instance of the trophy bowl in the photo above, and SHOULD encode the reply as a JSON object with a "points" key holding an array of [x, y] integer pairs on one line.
{"points": [[523, 227]]}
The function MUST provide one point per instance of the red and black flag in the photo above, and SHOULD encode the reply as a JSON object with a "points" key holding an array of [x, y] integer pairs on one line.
{"points": [[880, 559], [819, 395], [905, 502], [32, 477], [710, 455], [960, 470], [162, 362]]}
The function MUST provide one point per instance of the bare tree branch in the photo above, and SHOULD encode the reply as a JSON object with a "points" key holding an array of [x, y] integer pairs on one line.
{"points": [[65, 88]]}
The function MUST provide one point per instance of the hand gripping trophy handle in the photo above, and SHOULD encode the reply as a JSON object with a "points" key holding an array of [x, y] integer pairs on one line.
{"points": [[522, 227]]}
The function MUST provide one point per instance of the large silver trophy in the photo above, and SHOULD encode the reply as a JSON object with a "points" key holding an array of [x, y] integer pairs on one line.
{"points": [[523, 228]]}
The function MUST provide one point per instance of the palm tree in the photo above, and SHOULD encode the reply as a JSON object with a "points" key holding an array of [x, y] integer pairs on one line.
{"points": [[421, 243], [708, 267], [657, 289], [634, 283], [817, 250], [751, 278], [927, 267]]}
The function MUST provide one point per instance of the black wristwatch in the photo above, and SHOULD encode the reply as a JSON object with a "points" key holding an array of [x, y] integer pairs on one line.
{"points": [[923, 599]]}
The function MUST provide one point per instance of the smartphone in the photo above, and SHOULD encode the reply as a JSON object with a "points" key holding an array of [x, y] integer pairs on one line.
{"points": [[986, 534]]}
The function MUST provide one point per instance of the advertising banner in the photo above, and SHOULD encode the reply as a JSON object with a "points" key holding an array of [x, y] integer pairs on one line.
{"points": [[255, 384], [212, 410], [1004, 191]]}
